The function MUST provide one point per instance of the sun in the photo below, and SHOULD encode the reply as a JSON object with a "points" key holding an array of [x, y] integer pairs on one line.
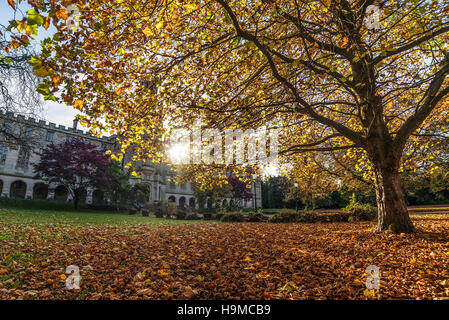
{"points": [[179, 153]]}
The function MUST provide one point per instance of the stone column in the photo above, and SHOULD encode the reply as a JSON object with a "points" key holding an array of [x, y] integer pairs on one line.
{"points": [[89, 196], [51, 194], [29, 191]]}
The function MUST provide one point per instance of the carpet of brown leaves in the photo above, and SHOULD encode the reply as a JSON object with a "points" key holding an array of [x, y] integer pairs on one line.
{"points": [[225, 261]]}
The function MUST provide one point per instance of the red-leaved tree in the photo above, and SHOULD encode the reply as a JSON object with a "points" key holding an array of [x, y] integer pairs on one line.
{"points": [[240, 190], [75, 164]]}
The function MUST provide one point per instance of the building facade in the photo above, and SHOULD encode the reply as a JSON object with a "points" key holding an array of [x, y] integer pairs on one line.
{"points": [[17, 179]]}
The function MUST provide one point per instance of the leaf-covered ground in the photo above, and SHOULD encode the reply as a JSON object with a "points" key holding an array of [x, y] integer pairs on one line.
{"points": [[219, 260]]}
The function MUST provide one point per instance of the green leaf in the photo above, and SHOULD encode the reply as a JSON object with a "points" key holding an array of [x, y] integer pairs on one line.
{"points": [[50, 97], [41, 72], [43, 89], [35, 62], [12, 25], [33, 18], [8, 60]]}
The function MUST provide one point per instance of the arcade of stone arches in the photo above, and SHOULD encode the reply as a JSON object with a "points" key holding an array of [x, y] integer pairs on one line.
{"points": [[40, 191]]}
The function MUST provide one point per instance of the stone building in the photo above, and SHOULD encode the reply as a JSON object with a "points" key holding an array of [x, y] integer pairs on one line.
{"points": [[17, 179]]}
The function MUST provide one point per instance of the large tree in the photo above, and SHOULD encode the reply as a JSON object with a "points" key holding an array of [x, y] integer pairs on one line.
{"points": [[75, 164], [317, 70]]}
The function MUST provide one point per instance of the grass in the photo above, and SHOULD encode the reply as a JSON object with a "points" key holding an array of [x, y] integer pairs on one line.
{"points": [[10, 216]]}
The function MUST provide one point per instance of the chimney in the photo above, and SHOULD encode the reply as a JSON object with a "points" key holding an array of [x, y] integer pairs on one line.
{"points": [[75, 124]]}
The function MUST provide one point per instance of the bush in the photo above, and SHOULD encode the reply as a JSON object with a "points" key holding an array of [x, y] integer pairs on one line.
{"points": [[276, 218], [218, 216], [256, 217], [233, 217], [181, 214], [360, 211], [333, 217], [145, 212], [159, 214], [293, 216], [307, 216], [193, 216], [168, 208], [132, 211], [284, 216], [207, 216]]}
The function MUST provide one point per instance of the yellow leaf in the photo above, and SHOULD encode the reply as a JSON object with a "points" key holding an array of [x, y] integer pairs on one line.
{"points": [[63, 276], [159, 25], [369, 293], [162, 272], [78, 104], [247, 259], [200, 278], [190, 7], [147, 31]]}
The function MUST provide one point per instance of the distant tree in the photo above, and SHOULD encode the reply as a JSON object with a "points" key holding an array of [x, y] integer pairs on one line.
{"points": [[140, 193], [233, 188], [74, 164], [119, 190], [117, 186], [273, 191], [239, 189]]}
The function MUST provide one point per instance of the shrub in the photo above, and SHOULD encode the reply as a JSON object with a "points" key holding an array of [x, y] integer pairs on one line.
{"points": [[293, 216], [145, 212], [333, 217], [285, 216], [181, 214], [132, 211], [220, 210], [256, 217], [159, 214], [233, 217], [207, 216], [193, 216], [307, 216], [168, 208], [218, 216], [360, 211], [276, 218]]}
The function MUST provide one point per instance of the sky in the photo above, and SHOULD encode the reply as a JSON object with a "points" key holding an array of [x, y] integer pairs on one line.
{"points": [[52, 111]]}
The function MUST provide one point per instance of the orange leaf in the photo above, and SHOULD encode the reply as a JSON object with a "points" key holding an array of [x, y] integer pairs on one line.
{"points": [[78, 103], [12, 3], [62, 14], [47, 23]]}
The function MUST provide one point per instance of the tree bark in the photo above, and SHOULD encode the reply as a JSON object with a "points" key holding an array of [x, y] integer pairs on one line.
{"points": [[391, 208], [76, 199]]}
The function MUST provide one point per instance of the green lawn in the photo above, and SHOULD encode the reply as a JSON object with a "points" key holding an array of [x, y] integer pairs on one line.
{"points": [[81, 217]]}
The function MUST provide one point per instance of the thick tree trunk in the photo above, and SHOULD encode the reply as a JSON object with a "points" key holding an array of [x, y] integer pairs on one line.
{"points": [[76, 200], [392, 210]]}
